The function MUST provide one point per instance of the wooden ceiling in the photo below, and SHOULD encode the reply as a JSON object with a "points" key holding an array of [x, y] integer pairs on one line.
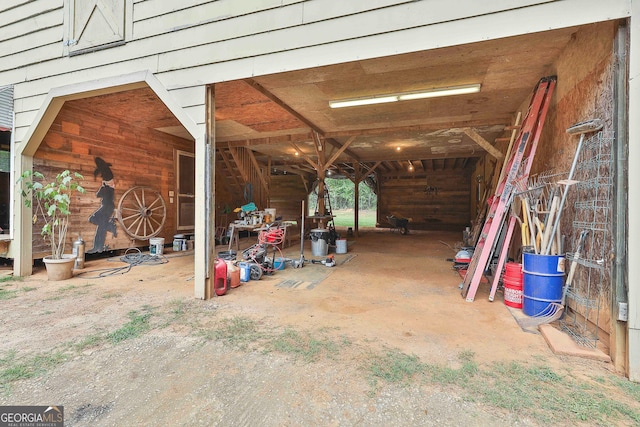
{"points": [[276, 115]]}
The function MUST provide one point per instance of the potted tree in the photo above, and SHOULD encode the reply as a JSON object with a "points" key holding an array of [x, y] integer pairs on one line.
{"points": [[51, 202]]}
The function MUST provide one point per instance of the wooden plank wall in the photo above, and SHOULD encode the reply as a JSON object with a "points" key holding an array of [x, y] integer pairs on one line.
{"points": [[439, 200], [139, 157], [287, 194]]}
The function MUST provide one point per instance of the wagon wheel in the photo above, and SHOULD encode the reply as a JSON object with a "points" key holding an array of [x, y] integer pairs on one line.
{"points": [[142, 212]]}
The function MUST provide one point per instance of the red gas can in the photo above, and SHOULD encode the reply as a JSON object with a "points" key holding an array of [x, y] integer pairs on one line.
{"points": [[220, 277]]}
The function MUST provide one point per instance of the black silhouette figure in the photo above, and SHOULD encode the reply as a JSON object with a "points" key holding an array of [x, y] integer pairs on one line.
{"points": [[103, 217]]}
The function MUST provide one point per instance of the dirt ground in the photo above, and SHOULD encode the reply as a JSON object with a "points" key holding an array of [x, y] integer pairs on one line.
{"points": [[184, 368]]}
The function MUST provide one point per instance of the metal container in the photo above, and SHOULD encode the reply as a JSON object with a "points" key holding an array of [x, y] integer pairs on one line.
{"points": [[78, 253]]}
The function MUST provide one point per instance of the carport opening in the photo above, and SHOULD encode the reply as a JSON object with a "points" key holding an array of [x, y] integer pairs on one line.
{"points": [[136, 158], [341, 193]]}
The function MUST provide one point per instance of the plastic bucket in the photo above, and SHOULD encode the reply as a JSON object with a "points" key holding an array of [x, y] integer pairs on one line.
{"points": [[319, 242], [341, 246], [179, 241], [513, 283], [543, 280], [245, 271], [278, 264], [156, 245]]}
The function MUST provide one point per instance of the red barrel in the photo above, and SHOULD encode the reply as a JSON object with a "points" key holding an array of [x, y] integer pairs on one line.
{"points": [[513, 279], [220, 277]]}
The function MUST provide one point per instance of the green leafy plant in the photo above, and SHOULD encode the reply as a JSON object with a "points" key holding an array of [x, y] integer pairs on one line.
{"points": [[51, 202]]}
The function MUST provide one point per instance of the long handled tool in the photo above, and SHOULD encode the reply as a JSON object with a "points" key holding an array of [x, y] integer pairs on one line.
{"points": [[299, 263], [581, 129]]}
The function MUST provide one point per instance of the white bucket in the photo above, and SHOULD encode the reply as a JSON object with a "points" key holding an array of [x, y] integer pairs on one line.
{"points": [[156, 245], [341, 246]]}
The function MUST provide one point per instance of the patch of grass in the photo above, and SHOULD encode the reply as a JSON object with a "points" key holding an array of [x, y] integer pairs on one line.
{"points": [[89, 341], [7, 294], [28, 289], [344, 218], [137, 325], [111, 295], [395, 366], [237, 331], [13, 368], [67, 288], [535, 391], [547, 396], [5, 279], [303, 345], [629, 388], [177, 307]]}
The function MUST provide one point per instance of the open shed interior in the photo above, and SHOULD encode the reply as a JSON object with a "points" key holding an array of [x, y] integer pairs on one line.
{"points": [[433, 160]]}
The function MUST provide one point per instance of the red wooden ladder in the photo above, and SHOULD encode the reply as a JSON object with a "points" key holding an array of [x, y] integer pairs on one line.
{"points": [[528, 138]]}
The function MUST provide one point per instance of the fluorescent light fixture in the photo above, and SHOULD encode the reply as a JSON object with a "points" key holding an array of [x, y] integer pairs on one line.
{"points": [[363, 101], [445, 91], [407, 96]]}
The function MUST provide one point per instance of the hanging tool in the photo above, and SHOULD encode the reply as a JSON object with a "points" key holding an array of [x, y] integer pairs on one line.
{"points": [[579, 128]]}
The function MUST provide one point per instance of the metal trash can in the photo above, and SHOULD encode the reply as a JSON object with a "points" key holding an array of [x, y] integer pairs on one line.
{"points": [[319, 242]]}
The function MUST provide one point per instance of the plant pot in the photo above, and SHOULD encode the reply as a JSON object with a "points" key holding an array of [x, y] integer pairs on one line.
{"points": [[59, 269]]}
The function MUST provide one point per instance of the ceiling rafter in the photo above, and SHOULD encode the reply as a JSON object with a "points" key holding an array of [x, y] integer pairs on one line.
{"points": [[257, 86]]}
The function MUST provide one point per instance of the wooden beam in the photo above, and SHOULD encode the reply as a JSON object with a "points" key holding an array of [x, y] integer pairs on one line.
{"points": [[340, 151], [373, 168], [356, 194], [494, 121], [478, 139], [257, 86], [348, 152], [269, 140], [304, 155]]}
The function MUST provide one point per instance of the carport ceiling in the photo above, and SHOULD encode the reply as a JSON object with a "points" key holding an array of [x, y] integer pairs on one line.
{"points": [[275, 115], [266, 113]]}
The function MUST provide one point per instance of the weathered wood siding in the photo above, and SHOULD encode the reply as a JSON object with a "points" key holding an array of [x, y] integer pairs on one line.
{"points": [[139, 157], [438, 200], [287, 194]]}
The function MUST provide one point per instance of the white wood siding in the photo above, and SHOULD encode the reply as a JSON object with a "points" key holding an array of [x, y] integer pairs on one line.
{"points": [[191, 43]]}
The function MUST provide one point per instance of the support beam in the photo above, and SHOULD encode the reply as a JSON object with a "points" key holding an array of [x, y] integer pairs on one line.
{"points": [[619, 282], [356, 194], [340, 151], [304, 155], [257, 86], [478, 139], [633, 183]]}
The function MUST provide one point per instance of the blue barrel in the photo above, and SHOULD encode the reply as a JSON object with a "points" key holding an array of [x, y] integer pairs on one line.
{"points": [[543, 281], [245, 271]]}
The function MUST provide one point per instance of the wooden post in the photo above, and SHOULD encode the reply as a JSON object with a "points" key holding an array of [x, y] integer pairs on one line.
{"points": [[356, 194]]}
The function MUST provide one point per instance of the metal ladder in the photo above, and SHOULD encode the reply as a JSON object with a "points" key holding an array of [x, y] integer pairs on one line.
{"points": [[518, 167]]}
